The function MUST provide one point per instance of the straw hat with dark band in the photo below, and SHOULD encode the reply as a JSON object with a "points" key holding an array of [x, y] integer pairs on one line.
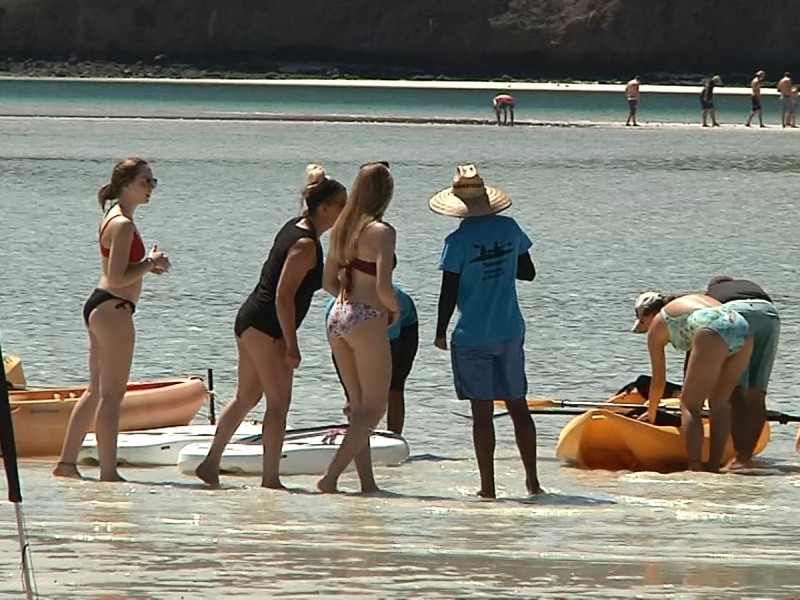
{"points": [[469, 196]]}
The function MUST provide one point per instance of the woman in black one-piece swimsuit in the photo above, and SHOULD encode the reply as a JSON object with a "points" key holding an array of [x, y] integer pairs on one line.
{"points": [[266, 326]]}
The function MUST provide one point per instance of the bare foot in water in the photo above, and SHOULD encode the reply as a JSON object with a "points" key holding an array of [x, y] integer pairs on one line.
{"points": [[207, 474], [534, 489], [370, 489], [326, 487], [115, 477], [273, 485], [737, 465], [488, 494], [67, 470]]}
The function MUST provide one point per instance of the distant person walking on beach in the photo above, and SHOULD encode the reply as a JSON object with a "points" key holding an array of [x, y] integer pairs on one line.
{"points": [[480, 263], [785, 91], [707, 100], [755, 99], [633, 97], [266, 326], [108, 317], [504, 103]]}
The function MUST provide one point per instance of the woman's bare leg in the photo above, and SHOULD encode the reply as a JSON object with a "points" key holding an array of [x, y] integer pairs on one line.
{"points": [[80, 421], [248, 393], [116, 335], [719, 402], [348, 371], [269, 358], [709, 352], [370, 346]]}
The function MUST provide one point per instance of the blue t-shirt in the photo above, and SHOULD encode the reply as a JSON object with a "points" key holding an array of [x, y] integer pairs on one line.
{"points": [[484, 252], [408, 312]]}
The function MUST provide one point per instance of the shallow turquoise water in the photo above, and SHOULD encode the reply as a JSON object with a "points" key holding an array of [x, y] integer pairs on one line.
{"points": [[612, 212], [62, 98]]}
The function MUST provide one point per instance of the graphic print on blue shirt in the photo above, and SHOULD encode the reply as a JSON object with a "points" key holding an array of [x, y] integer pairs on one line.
{"points": [[484, 252], [408, 312]]}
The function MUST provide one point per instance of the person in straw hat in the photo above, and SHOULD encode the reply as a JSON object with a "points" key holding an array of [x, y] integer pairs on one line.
{"points": [[720, 342], [480, 261]]}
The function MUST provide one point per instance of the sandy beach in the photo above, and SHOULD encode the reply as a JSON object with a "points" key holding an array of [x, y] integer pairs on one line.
{"points": [[489, 86]]}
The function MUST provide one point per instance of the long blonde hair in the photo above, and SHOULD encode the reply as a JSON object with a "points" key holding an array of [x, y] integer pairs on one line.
{"points": [[369, 199]]}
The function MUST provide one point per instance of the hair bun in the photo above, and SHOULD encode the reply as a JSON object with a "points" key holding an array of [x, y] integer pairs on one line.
{"points": [[314, 174]]}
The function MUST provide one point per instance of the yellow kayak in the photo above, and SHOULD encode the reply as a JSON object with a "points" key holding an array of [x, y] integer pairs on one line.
{"points": [[12, 365], [602, 439]]}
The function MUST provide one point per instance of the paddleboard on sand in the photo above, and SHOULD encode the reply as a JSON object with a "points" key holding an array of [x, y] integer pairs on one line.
{"points": [[303, 454]]}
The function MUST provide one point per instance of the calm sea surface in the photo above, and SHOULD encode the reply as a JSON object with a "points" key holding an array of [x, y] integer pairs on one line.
{"points": [[612, 212]]}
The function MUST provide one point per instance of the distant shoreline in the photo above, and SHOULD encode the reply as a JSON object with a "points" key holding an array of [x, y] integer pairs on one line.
{"points": [[488, 86]]}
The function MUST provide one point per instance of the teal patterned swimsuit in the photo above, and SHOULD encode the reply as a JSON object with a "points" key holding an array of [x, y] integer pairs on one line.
{"points": [[722, 320]]}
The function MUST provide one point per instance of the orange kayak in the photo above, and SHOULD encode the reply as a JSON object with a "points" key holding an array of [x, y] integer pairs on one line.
{"points": [[602, 439], [40, 417]]}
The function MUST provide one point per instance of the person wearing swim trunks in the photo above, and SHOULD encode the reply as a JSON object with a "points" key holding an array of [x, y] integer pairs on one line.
{"points": [[504, 103], [793, 98], [265, 328], [707, 101], [720, 342], [755, 99], [358, 273], [633, 97], [480, 263], [108, 317], [403, 344], [749, 399], [785, 90]]}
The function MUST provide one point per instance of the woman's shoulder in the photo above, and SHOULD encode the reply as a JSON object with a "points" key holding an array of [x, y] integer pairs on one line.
{"points": [[380, 230]]}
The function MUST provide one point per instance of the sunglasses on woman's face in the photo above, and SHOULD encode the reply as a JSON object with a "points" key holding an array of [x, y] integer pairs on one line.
{"points": [[376, 162], [150, 182]]}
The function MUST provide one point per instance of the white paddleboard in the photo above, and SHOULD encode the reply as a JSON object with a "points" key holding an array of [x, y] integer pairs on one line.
{"points": [[303, 454], [159, 447]]}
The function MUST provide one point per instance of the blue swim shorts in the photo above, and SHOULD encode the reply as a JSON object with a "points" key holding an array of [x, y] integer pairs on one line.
{"points": [[765, 327], [491, 372]]}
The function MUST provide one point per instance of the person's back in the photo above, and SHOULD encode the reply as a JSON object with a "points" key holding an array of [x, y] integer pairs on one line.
{"points": [[484, 251], [362, 280], [785, 85]]}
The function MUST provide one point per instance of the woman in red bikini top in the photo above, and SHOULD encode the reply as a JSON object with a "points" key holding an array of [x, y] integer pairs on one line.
{"points": [[108, 318], [358, 272]]}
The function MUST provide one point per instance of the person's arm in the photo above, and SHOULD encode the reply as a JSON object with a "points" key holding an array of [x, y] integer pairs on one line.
{"points": [[330, 275], [657, 339], [448, 296], [301, 258], [386, 238], [526, 270], [121, 271]]}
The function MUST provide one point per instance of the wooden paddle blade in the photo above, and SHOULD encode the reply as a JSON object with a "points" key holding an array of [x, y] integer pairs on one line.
{"points": [[533, 403]]}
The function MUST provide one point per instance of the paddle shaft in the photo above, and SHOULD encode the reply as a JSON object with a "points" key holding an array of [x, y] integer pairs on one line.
{"points": [[212, 412]]}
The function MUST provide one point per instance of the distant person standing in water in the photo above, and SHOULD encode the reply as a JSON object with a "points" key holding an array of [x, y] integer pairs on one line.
{"points": [[108, 316], [480, 263], [633, 97], [755, 99], [793, 118], [504, 103], [707, 100], [785, 90]]}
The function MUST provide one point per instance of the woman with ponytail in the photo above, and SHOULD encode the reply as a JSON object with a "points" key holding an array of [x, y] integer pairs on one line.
{"points": [[720, 342], [267, 322], [108, 317]]}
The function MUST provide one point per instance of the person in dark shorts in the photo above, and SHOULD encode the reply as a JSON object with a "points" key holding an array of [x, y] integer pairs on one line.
{"points": [[504, 103], [755, 99], [749, 399], [707, 101], [404, 342], [480, 262]]}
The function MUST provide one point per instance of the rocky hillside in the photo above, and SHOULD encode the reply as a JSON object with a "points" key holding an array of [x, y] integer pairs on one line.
{"points": [[522, 38]]}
